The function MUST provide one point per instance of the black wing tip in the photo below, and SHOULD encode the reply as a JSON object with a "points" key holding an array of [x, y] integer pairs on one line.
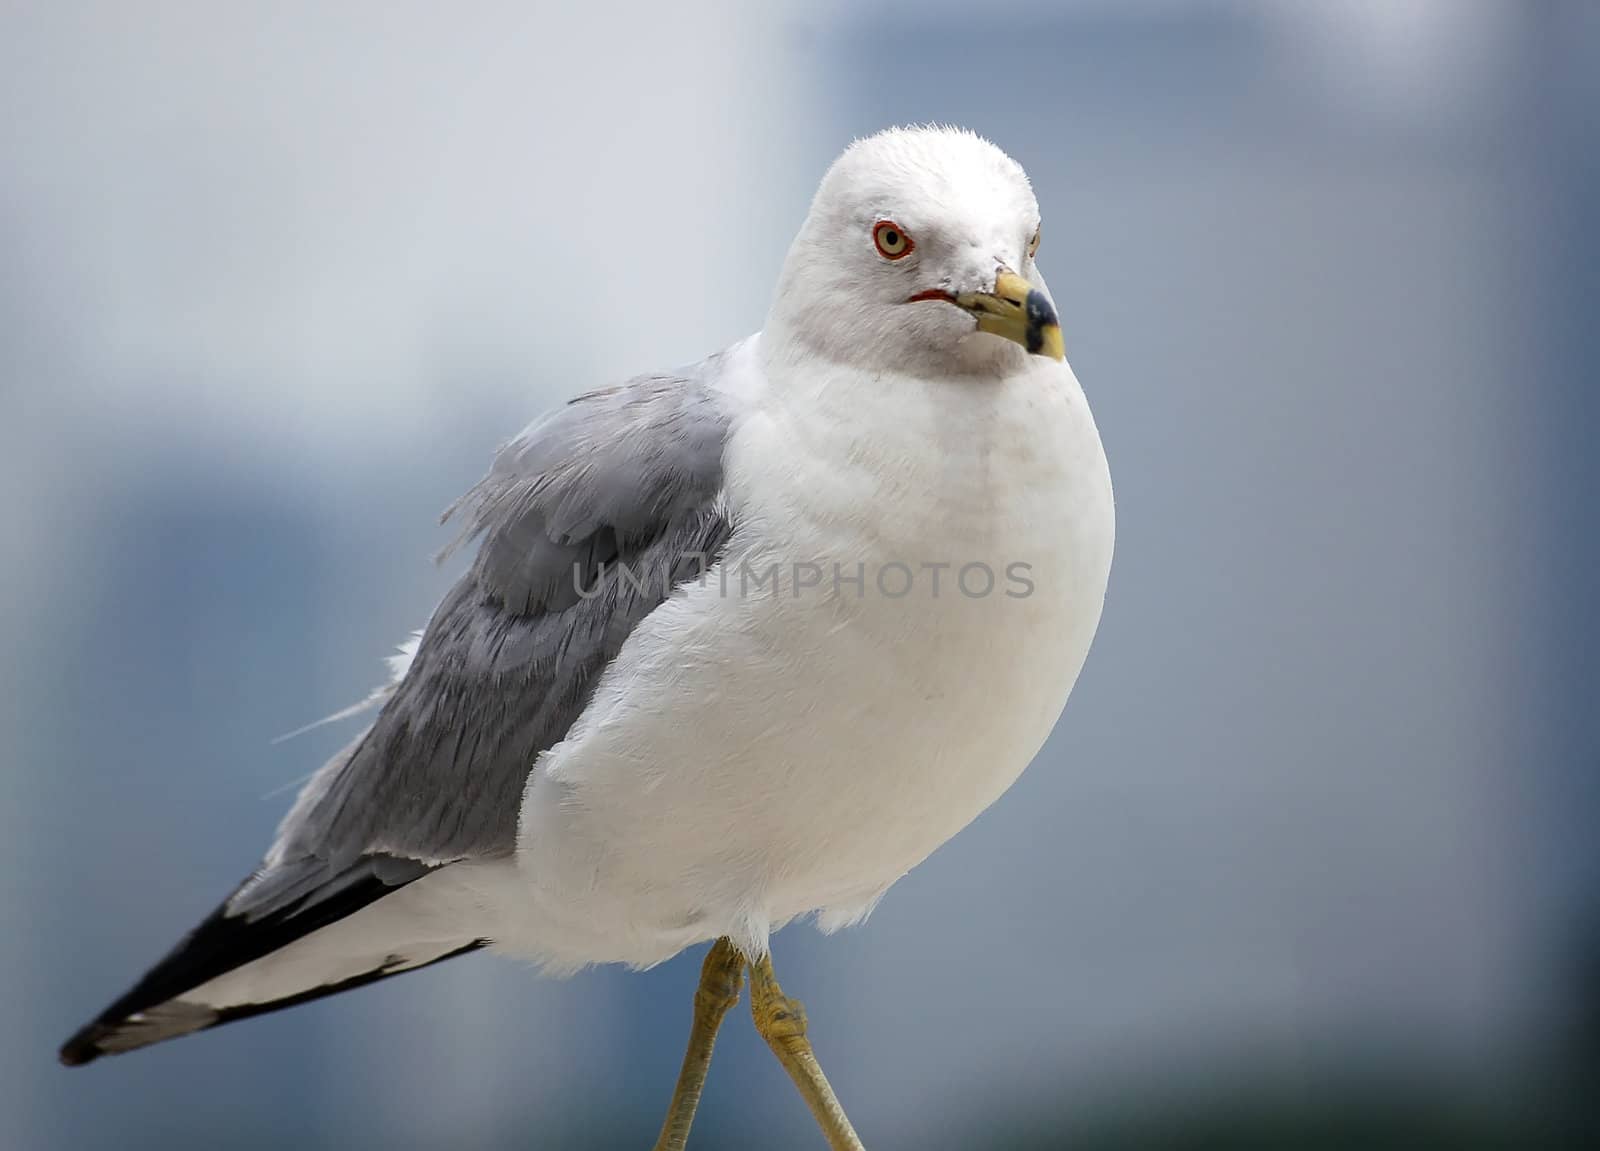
{"points": [[84, 1047], [151, 1010], [113, 1034]]}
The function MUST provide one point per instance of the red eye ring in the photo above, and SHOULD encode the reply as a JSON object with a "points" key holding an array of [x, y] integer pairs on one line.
{"points": [[893, 241]]}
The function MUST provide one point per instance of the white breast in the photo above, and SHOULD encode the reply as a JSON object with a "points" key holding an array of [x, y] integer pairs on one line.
{"points": [[761, 752]]}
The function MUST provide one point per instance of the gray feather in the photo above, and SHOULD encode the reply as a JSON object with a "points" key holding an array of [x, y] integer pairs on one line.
{"points": [[625, 477]]}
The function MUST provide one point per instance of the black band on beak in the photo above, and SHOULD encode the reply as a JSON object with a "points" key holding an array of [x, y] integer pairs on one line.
{"points": [[1040, 315]]}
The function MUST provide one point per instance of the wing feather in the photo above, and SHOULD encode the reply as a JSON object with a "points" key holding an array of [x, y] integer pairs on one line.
{"points": [[629, 477]]}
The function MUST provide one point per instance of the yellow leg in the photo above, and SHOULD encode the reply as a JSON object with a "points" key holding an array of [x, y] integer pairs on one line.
{"points": [[721, 976], [782, 1023]]}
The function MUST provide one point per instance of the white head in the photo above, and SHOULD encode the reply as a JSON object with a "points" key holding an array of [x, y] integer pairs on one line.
{"points": [[914, 233]]}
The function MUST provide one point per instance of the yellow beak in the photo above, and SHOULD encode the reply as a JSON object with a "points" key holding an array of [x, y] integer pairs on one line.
{"points": [[1019, 312]]}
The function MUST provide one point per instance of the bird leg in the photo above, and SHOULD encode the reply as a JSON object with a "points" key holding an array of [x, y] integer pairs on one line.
{"points": [[721, 976], [781, 1021]]}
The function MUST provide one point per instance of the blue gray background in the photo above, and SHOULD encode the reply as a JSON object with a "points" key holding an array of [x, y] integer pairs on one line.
{"points": [[1313, 850]]}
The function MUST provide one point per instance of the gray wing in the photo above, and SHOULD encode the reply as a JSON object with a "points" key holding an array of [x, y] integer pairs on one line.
{"points": [[588, 520], [619, 494]]}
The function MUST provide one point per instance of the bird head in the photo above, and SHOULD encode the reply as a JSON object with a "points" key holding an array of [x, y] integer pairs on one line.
{"points": [[918, 255]]}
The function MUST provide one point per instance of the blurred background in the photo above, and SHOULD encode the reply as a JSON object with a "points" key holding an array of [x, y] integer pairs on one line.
{"points": [[1312, 858]]}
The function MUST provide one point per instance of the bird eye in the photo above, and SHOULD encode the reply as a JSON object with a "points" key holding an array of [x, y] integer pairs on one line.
{"points": [[1033, 244], [892, 240]]}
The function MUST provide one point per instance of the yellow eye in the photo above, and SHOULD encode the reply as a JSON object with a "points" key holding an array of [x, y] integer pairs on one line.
{"points": [[1033, 244], [893, 241]]}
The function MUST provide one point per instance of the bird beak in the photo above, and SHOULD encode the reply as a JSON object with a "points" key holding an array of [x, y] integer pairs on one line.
{"points": [[1015, 309]]}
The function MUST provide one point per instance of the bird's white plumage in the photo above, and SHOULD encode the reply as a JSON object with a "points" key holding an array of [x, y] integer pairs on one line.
{"points": [[753, 756], [884, 724], [750, 757]]}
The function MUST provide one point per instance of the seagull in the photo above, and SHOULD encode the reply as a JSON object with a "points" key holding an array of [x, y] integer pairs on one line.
{"points": [[741, 644]]}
